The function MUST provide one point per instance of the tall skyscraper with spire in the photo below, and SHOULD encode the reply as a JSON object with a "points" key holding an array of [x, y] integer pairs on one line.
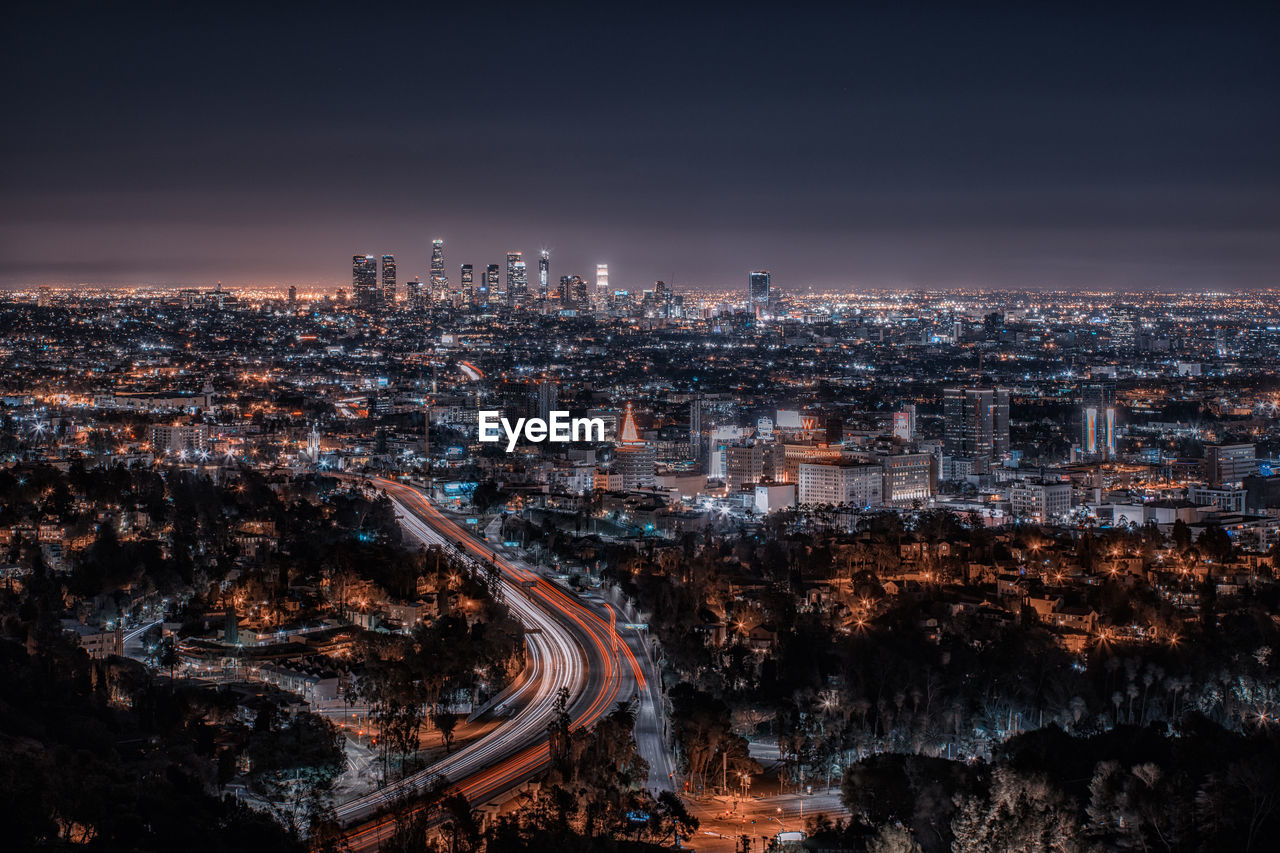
{"points": [[544, 273], [439, 281], [389, 280]]}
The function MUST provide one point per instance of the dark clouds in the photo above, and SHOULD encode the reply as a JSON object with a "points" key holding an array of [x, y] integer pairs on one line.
{"points": [[854, 144]]}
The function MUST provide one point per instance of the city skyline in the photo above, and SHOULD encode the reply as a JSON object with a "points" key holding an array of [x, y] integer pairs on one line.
{"points": [[930, 147], [904, 477], [294, 518]]}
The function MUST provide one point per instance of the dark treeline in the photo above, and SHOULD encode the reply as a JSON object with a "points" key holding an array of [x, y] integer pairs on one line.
{"points": [[1196, 787]]}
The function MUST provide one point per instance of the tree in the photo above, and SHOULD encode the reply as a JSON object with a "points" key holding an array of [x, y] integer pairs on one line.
{"points": [[1216, 543], [462, 824], [893, 838], [445, 721], [168, 656], [1133, 810], [670, 812], [1021, 812]]}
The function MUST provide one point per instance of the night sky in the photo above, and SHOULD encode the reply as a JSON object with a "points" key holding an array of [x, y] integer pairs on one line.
{"points": [[882, 144]]}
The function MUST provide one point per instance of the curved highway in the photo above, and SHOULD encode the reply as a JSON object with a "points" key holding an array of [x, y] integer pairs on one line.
{"points": [[567, 646]]}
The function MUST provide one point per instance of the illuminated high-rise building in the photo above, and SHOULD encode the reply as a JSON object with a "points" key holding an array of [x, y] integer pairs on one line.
{"points": [[602, 285], [517, 278], [976, 423], [695, 428], [548, 398], [439, 281], [758, 287], [293, 295], [416, 294], [544, 272], [389, 280], [1098, 420], [904, 423], [573, 291], [364, 280], [466, 284], [491, 286]]}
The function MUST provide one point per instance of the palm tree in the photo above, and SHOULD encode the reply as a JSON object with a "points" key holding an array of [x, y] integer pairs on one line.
{"points": [[169, 656]]}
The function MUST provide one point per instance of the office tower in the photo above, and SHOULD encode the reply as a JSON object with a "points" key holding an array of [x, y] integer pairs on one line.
{"points": [[1229, 463], [44, 296], [904, 423], [389, 280], [180, 439], [342, 296], [573, 291], [548, 396], [977, 423], [855, 485], [491, 287], [517, 278], [466, 283], [747, 464], [416, 294], [695, 428], [364, 280], [293, 295], [1098, 420], [1040, 502], [1123, 323], [602, 285], [544, 272], [758, 287], [833, 428], [661, 299], [908, 477], [439, 281]]}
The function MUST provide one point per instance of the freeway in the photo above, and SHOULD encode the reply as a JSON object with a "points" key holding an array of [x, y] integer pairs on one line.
{"points": [[133, 640], [568, 646]]}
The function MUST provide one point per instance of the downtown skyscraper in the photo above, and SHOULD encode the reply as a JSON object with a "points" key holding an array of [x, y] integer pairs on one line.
{"points": [[517, 278], [1098, 419], [490, 285], [544, 273], [758, 287], [466, 284], [389, 281], [364, 280], [976, 425], [439, 281], [416, 294], [602, 285]]}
